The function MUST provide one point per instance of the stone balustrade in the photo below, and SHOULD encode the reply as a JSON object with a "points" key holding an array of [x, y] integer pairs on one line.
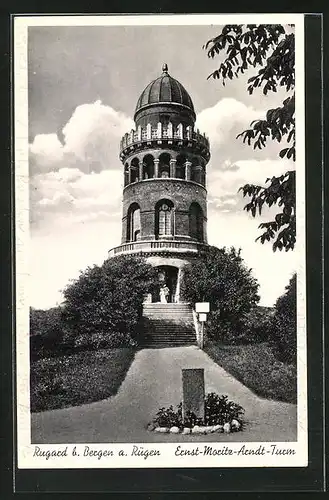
{"points": [[162, 132], [153, 246]]}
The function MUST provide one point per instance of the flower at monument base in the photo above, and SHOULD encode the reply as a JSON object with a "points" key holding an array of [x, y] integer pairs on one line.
{"points": [[174, 429], [235, 424], [186, 430], [227, 427]]}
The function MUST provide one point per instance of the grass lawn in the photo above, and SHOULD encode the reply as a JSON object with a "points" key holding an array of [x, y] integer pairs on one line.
{"points": [[75, 379], [257, 368]]}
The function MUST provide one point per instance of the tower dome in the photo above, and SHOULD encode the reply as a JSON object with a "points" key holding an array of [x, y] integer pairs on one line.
{"points": [[164, 89], [164, 95]]}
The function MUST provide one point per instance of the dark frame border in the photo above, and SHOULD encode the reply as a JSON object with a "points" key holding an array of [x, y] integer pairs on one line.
{"points": [[185, 480]]}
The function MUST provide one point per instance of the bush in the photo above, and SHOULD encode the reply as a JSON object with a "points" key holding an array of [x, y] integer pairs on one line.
{"points": [[221, 277], [103, 307], [46, 332], [284, 325], [218, 410], [256, 325]]}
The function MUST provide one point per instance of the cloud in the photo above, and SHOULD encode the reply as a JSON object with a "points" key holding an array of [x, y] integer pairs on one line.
{"points": [[93, 133], [222, 123], [91, 141], [224, 184], [63, 197], [81, 177]]}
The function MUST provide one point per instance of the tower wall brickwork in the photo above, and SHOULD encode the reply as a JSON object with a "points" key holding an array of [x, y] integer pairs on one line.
{"points": [[147, 193]]}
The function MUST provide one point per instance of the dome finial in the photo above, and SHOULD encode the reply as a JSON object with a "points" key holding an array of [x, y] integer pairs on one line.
{"points": [[165, 68]]}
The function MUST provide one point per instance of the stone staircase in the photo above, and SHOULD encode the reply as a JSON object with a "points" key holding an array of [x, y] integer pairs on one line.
{"points": [[168, 325]]}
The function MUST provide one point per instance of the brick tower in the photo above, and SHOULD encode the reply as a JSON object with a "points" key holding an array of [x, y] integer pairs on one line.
{"points": [[164, 196]]}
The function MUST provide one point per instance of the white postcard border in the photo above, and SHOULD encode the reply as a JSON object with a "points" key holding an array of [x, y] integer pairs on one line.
{"points": [[25, 450]]}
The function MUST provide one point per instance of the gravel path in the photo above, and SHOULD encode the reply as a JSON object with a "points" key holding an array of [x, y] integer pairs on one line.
{"points": [[153, 381]]}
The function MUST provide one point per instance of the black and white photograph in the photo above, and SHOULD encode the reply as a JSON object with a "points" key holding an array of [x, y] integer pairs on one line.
{"points": [[160, 255]]}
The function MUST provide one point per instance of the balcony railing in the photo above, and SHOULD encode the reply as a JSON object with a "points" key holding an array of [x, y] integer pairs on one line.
{"points": [[160, 132], [154, 246]]}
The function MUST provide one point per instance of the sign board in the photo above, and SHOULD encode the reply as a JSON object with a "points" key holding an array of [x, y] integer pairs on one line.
{"points": [[202, 307], [202, 317]]}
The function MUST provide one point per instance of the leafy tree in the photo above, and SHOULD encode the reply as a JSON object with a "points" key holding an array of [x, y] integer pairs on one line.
{"points": [[103, 307], [284, 327], [46, 331], [221, 278], [270, 49]]}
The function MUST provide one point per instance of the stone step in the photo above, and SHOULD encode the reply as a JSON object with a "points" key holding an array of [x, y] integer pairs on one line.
{"points": [[167, 328], [166, 306], [167, 325]]}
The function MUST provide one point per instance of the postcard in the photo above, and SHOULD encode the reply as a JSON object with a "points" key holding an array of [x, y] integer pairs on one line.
{"points": [[160, 241]]}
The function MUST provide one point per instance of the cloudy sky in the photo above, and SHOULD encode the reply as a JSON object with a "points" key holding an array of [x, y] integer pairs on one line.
{"points": [[84, 83]]}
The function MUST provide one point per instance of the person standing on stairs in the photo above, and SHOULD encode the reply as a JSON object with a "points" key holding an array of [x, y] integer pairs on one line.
{"points": [[164, 294]]}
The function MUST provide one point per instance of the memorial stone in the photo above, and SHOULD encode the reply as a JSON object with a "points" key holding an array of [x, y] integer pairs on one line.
{"points": [[193, 391]]}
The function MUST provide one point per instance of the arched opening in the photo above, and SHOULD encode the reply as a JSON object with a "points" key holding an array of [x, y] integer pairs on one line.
{"points": [[134, 223], [180, 166], [164, 218], [194, 169], [126, 175], [196, 221], [134, 166], [164, 165], [203, 173], [167, 291], [148, 167]]}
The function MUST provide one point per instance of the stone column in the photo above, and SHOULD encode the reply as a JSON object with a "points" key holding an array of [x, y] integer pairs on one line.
{"points": [[140, 170], [198, 172], [188, 165], [179, 279], [129, 174], [156, 168], [173, 168], [139, 133], [159, 130]]}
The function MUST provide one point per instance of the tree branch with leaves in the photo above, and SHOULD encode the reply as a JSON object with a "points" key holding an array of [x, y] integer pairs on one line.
{"points": [[271, 50]]}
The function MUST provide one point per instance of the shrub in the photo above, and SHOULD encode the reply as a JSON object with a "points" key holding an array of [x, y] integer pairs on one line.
{"points": [[221, 277], [46, 332], [103, 307], [168, 417], [284, 324], [256, 325], [218, 410]]}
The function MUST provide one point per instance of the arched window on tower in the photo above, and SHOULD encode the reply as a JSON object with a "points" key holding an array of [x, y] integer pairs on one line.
{"points": [[196, 221], [180, 166], [164, 165], [148, 167], [164, 218], [134, 223], [126, 175]]}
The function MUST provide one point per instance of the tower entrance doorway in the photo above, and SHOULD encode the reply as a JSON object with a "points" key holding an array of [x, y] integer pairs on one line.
{"points": [[168, 277]]}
